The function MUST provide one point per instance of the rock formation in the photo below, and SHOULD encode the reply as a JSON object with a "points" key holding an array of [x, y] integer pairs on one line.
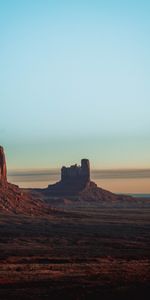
{"points": [[75, 184], [74, 179], [76, 173], [3, 170], [15, 200]]}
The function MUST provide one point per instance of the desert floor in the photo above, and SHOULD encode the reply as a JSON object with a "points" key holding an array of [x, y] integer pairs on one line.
{"points": [[77, 252]]}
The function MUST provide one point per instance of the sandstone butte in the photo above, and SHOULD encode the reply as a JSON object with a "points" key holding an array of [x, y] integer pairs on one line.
{"points": [[75, 183]]}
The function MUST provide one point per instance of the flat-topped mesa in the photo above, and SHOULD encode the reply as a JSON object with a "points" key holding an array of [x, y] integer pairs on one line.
{"points": [[3, 169], [76, 173]]}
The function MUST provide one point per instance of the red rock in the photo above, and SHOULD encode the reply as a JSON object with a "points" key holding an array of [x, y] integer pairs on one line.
{"points": [[3, 169], [15, 200]]}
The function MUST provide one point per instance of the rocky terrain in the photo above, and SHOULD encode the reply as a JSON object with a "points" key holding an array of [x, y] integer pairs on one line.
{"points": [[90, 195], [14, 200]]}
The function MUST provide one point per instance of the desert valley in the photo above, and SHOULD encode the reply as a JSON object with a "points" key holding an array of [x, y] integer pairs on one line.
{"points": [[72, 240]]}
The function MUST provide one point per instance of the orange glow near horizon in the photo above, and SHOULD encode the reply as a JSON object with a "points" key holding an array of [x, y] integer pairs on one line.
{"points": [[129, 186], [132, 185]]}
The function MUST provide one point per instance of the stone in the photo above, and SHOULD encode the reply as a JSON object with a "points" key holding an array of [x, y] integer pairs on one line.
{"points": [[15, 200], [3, 169], [73, 180], [76, 173]]}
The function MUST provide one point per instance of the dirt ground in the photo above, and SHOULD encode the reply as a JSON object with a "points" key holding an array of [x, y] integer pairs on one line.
{"points": [[78, 252]]}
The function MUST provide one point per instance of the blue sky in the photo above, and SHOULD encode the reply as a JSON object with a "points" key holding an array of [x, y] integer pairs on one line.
{"points": [[75, 83]]}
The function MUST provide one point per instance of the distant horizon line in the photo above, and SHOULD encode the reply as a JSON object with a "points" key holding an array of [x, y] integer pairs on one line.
{"points": [[115, 180], [95, 173], [9, 170]]}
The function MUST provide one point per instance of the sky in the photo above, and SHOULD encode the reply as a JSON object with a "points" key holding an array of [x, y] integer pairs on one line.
{"points": [[75, 83]]}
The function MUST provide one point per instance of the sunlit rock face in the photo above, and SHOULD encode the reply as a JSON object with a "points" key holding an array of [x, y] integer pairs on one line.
{"points": [[14, 200], [3, 169]]}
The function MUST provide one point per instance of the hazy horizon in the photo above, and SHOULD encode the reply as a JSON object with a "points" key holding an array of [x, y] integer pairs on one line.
{"points": [[118, 181]]}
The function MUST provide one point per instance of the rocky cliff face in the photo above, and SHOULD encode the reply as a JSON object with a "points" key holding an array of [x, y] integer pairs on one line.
{"points": [[15, 200], [76, 173], [3, 169]]}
